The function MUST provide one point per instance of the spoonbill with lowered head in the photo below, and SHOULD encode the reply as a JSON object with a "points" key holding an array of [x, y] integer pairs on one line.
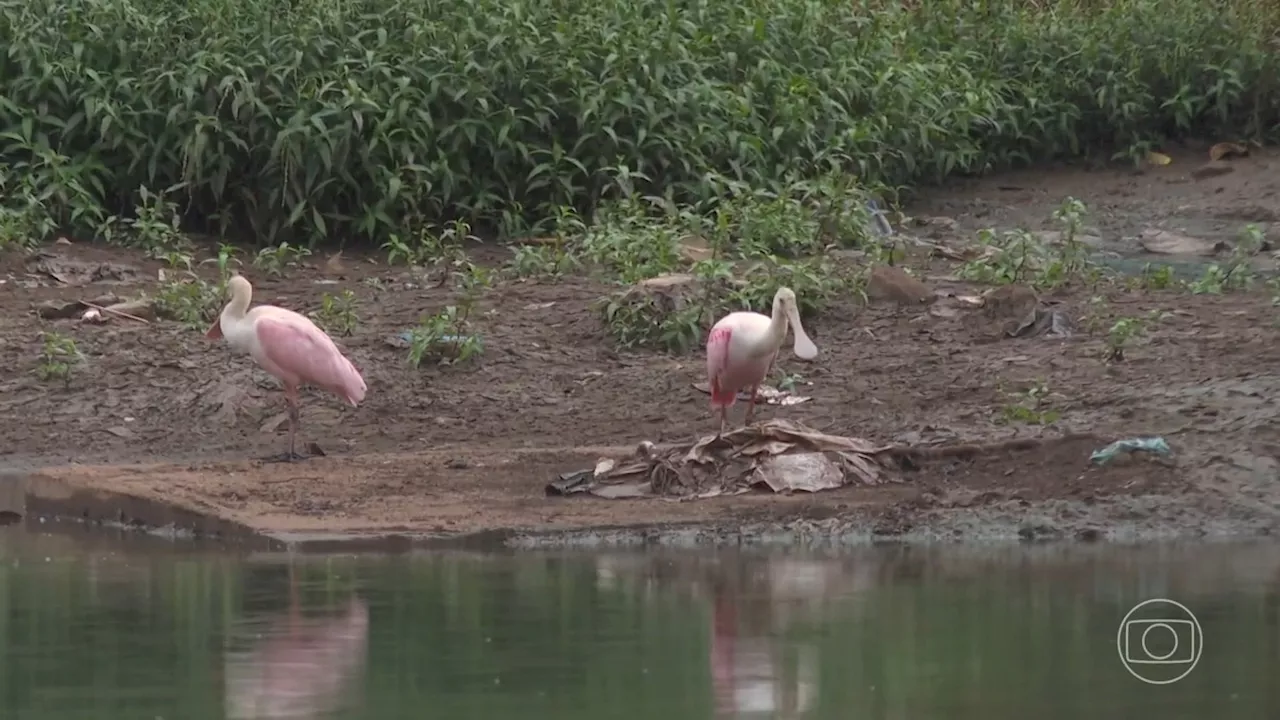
{"points": [[742, 347], [290, 347]]}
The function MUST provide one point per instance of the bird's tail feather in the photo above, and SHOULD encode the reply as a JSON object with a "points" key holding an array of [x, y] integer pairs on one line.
{"points": [[350, 386]]}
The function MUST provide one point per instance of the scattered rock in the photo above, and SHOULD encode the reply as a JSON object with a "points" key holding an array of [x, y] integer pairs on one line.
{"points": [[1040, 321], [938, 226], [1019, 312], [1212, 170], [1010, 302], [1163, 242], [75, 273], [891, 284], [58, 309]]}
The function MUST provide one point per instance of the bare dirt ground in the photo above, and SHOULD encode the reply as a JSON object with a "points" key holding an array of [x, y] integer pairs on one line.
{"points": [[156, 411]]}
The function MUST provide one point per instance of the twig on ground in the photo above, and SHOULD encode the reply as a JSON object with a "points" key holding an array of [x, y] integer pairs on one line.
{"points": [[121, 313]]}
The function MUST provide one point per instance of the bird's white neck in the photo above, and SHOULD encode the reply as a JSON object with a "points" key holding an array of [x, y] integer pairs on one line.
{"points": [[233, 319], [778, 324], [774, 335]]}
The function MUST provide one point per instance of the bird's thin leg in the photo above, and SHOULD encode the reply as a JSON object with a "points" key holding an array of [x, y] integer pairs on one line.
{"points": [[295, 419], [295, 612], [751, 406], [724, 420], [755, 389]]}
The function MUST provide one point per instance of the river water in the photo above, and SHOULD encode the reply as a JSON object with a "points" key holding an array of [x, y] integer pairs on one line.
{"points": [[140, 629]]}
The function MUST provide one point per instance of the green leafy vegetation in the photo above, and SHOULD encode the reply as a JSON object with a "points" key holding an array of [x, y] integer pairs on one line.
{"points": [[310, 121], [680, 268], [1237, 272], [58, 357], [194, 301], [273, 260], [337, 313], [1030, 406], [1020, 256], [447, 337]]}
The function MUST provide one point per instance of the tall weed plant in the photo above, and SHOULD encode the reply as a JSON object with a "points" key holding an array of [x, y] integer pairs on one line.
{"points": [[307, 120]]}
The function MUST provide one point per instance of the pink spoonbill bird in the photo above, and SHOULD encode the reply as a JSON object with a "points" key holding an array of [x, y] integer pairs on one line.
{"points": [[290, 347], [742, 347]]}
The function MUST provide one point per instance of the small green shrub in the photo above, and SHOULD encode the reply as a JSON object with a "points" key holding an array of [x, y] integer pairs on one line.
{"points": [[337, 313], [1019, 256], [58, 357]]}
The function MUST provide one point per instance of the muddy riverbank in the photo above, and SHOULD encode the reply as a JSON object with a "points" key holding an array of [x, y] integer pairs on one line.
{"points": [[157, 426]]}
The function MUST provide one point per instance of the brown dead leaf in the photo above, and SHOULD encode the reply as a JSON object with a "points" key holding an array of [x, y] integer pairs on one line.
{"points": [[891, 284], [1225, 150]]}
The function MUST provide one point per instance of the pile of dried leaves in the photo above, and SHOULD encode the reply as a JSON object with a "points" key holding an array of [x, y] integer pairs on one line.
{"points": [[777, 454]]}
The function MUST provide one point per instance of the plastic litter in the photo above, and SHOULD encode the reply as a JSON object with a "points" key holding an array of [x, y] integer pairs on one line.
{"points": [[878, 217], [1155, 445]]}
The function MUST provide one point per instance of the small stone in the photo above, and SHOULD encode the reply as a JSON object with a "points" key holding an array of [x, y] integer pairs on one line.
{"points": [[939, 226], [1164, 242], [1010, 301]]}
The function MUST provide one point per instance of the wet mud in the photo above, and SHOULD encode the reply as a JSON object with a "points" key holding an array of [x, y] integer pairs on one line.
{"points": [[158, 427]]}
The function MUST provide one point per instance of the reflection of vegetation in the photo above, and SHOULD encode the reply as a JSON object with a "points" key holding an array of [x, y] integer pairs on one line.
{"points": [[529, 638], [78, 640], [538, 636]]}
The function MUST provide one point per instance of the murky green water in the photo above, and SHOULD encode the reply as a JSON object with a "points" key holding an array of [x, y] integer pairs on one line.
{"points": [[97, 630]]}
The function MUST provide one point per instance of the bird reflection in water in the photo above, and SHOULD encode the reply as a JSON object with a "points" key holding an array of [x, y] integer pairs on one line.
{"points": [[749, 675], [302, 667]]}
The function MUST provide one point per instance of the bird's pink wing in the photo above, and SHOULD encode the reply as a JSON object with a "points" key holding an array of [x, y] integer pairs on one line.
{"points": [[717, 363], [298, 347]]}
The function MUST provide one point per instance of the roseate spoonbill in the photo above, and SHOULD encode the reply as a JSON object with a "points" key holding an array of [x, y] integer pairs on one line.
{"points": [[290, 347], [742, 347]]}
